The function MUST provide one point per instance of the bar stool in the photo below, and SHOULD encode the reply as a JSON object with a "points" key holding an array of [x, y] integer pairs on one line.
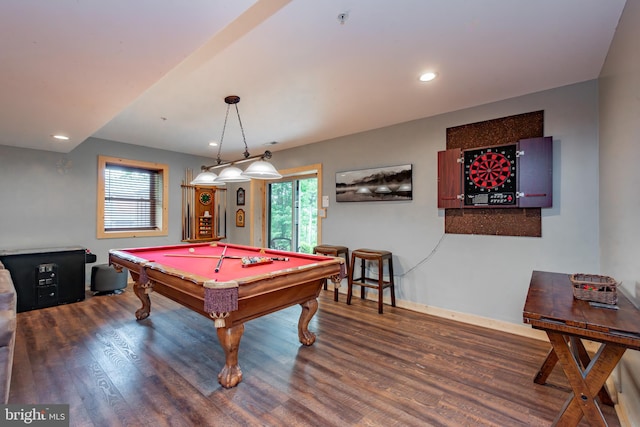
{"points": [[333, 250], [363, 281]]}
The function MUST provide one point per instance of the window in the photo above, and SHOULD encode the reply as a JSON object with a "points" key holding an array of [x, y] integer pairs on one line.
{"points": [[132, 198]]}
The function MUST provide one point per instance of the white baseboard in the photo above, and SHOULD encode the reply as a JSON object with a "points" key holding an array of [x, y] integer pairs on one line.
{"points": [[472, 319]]}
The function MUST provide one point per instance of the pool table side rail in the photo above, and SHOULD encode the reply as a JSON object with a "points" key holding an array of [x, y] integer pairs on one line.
{"points": [[136, 263], [252, 249]]}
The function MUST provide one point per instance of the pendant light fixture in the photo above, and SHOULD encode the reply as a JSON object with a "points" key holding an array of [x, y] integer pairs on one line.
{"points": [[260, 169]]}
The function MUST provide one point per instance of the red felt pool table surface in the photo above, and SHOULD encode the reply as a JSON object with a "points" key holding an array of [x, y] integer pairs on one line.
{"points": [[199, 260], [186, 273]]}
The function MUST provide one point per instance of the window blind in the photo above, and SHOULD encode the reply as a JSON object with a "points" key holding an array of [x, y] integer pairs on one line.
{"points": [[133, 199]]}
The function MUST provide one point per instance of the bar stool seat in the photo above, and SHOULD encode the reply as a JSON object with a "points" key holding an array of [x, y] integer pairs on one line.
{"points": [[333, 250], [377, 256]]}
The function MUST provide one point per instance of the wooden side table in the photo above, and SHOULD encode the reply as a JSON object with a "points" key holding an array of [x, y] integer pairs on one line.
{"points": [[551, 307]]}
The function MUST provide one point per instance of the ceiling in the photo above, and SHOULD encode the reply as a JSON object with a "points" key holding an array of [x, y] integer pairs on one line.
{"points": [[155, 72]]}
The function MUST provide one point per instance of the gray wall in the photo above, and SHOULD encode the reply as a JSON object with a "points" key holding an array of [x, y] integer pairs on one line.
{"points": [[49, 199], [482, 275], [242, 235], [620, 179]]}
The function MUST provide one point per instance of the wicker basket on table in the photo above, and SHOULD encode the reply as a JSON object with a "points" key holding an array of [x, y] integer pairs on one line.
{"points": [[593, 287]]}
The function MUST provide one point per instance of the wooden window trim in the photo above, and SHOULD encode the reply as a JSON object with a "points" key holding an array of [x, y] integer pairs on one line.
{"points": [[103, 161]]}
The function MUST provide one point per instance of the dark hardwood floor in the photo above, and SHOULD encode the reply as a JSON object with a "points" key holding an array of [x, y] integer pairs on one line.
{"points": [[397, 369]]}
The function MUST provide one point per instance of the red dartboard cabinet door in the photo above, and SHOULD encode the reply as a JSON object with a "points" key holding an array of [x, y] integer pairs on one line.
{"points": [[449, 178], [535, 167]]}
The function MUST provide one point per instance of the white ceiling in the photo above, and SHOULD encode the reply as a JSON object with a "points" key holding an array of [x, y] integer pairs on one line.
{"points": [[155, 72]]}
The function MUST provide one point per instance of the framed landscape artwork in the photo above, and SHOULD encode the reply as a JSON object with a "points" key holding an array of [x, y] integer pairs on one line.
{"points": [[391, 183]]}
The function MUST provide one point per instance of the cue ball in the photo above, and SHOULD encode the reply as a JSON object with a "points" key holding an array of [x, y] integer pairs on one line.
{"points": [[191, 250]]}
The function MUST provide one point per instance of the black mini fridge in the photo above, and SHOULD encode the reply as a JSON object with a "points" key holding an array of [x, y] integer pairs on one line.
{"points": [[47, 277]]}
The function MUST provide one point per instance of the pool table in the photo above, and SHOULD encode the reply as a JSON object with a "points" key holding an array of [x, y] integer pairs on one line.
{"points": [[249, 282]]}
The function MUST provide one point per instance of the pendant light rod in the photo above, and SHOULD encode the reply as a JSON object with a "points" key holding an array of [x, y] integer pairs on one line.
{"points": [[266, 155], [232, 100]]}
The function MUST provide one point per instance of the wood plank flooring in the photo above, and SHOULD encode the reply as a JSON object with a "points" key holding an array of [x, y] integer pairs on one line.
{"points": [[397, 369]]}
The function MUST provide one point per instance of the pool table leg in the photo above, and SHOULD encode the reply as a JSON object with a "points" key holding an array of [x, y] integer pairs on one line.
{"points": [[309, 308], [229, 339], [142, 291]]}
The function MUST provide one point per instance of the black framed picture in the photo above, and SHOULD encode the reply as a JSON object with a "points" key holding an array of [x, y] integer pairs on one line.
{"points": [[240, 197], [391, 183]]}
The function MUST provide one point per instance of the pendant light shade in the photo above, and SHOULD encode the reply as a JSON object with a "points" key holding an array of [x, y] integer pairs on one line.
{"points": [[206, 178], [262, 170], [232, 174]]}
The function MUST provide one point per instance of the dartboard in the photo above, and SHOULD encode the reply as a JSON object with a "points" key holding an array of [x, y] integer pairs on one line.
{"points": [[490, 170], [490, 176]]}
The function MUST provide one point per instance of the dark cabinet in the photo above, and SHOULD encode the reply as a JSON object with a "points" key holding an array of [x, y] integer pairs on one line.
{"points": [[47, 277]]}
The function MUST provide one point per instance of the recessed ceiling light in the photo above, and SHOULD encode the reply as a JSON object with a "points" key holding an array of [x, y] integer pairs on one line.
{"points": [[427, 77], [213, 144], [61, 137]]}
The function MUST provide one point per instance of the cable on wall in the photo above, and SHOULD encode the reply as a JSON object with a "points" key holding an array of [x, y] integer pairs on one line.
{"points": [[425, 259]]}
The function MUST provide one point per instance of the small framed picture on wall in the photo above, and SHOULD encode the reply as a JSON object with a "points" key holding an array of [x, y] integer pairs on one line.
{"points": [[240, 218], [240, 197]]}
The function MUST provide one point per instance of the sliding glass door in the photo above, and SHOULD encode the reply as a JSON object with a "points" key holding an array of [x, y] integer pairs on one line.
{"points": [[292, 212]]}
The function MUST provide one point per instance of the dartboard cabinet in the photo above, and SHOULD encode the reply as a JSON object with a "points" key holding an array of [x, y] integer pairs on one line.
{"points": [[515, 175]]}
